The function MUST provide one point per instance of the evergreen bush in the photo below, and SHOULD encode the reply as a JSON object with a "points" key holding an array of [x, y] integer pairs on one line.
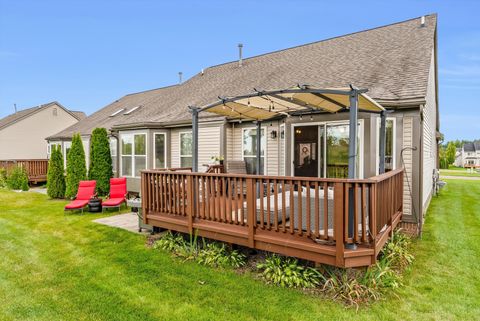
{"points": [[56, 174], [3, 177], [76, 168], [100, 160], [18, 179]]}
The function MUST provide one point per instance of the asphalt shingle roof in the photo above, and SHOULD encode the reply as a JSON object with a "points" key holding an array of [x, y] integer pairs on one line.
{"points": [[392, 61]]}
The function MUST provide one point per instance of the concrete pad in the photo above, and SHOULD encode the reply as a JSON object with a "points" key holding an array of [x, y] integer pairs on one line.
{"points": [[128, 221]]}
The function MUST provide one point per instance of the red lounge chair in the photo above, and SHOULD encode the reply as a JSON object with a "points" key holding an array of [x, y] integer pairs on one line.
{"points": [[86, 190], [118, 193]]}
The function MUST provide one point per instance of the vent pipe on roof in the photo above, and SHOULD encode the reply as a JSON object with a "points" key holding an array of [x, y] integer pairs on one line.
{"points": [[240, 60], [15, 106], [422, 21], [180, 74]]}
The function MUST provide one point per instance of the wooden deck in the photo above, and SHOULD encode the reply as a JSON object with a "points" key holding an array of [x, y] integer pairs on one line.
{"points": [[36, 168], [301, 217]]}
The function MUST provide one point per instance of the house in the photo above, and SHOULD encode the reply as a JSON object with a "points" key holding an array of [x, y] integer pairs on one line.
{"points": [[469, 155], [22, 134], [397, 63]]}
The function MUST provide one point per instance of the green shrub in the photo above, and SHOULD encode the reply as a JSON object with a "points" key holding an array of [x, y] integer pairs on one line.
{"points": [[18, 179], [287, 272], [76, 168], [217, 255], [100, 160], [397, 251], [3, 178], [56, 174], [356, 286], [214, 254]]}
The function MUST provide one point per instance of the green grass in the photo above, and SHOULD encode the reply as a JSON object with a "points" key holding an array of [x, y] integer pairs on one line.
{"points": [[458, 171], [65, 267]]}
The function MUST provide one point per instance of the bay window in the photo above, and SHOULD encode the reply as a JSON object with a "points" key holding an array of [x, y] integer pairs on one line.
{"points": [[186, 149], [133, 154], [159, 150], [113, 154]]}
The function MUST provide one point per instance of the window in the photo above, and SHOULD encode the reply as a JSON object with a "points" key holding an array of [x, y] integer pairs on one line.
{"points": [[55, 112], [113, 153], [159, 150], [50, 148], [133, 154], [389, 144], [249, 150], [66, 146], [186, 149]]}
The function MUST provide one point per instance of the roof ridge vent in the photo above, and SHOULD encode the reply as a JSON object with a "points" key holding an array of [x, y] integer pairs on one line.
{"points": [[422, 21]]}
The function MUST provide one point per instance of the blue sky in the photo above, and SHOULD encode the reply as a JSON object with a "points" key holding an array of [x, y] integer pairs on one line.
{"points": [[85, 54]]}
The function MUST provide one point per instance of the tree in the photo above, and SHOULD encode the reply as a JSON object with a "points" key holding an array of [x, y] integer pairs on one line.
{"points": [[76, 168], [56, 174], [18, 179], [100, 160], [443, 158], [450, 153]]}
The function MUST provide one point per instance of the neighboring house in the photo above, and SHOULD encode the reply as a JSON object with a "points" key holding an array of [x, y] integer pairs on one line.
{"points": [[22, 134], [397, 63], [469, 155]]}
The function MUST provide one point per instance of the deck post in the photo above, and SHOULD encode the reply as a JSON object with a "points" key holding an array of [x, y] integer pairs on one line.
{"points": [[383, 135], [352, 161]]}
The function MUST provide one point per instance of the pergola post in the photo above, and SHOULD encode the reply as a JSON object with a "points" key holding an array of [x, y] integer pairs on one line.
{"points": [[382, 142], [259, 147], [259, 155], [195, 111], [352, 161]]}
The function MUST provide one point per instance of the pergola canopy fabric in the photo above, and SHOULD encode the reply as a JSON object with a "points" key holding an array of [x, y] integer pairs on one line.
{"points": [[263, 105]]}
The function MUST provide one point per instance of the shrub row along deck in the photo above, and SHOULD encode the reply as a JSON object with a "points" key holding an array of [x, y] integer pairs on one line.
{"points": [[302, 217], [36, 168]]}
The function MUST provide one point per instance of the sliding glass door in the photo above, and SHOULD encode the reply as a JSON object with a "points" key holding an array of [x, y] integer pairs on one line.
{"points": [[322, 150]]}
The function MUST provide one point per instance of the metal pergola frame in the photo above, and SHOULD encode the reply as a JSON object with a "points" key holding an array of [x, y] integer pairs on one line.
{"points": [[353, 93]]}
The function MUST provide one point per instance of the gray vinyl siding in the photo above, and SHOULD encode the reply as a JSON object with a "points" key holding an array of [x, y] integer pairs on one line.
{"points": [[429, 137], [209, 144]]}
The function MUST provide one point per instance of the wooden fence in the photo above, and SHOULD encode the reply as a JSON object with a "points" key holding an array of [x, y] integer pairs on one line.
{"points": [[36, 168], [309, 218]]}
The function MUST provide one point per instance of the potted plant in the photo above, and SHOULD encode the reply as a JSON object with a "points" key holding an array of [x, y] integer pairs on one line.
{"points": [[218, 159]]}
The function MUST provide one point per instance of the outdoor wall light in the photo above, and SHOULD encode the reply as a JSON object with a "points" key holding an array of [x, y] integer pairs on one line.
{"points": [[273, 134]]}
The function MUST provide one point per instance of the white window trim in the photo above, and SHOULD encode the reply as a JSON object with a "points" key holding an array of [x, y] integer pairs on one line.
{"points": [[324, 151], [264, 147], [394, 147], [115, 140], [133, 152], [180, 146], [64, 149], [155, 149]]}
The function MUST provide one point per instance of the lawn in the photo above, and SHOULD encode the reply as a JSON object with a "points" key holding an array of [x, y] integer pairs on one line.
{"points": [[457, 171], [64, 267]]}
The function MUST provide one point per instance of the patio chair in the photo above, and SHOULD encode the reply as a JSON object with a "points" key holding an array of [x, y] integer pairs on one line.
{"points": [[236, 167], [86, 190], [118, 193]]}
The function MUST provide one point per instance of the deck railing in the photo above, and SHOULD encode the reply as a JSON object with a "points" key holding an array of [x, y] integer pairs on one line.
{"points": [[36, 168], [297, 216]]}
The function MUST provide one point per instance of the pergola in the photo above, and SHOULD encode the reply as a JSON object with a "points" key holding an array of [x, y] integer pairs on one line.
{"points": [[299, 100]]}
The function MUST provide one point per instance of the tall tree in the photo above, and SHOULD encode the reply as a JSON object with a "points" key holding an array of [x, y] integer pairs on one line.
{"points": [[56, 174], [76, 168], [450, 153], [100, 160]]}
